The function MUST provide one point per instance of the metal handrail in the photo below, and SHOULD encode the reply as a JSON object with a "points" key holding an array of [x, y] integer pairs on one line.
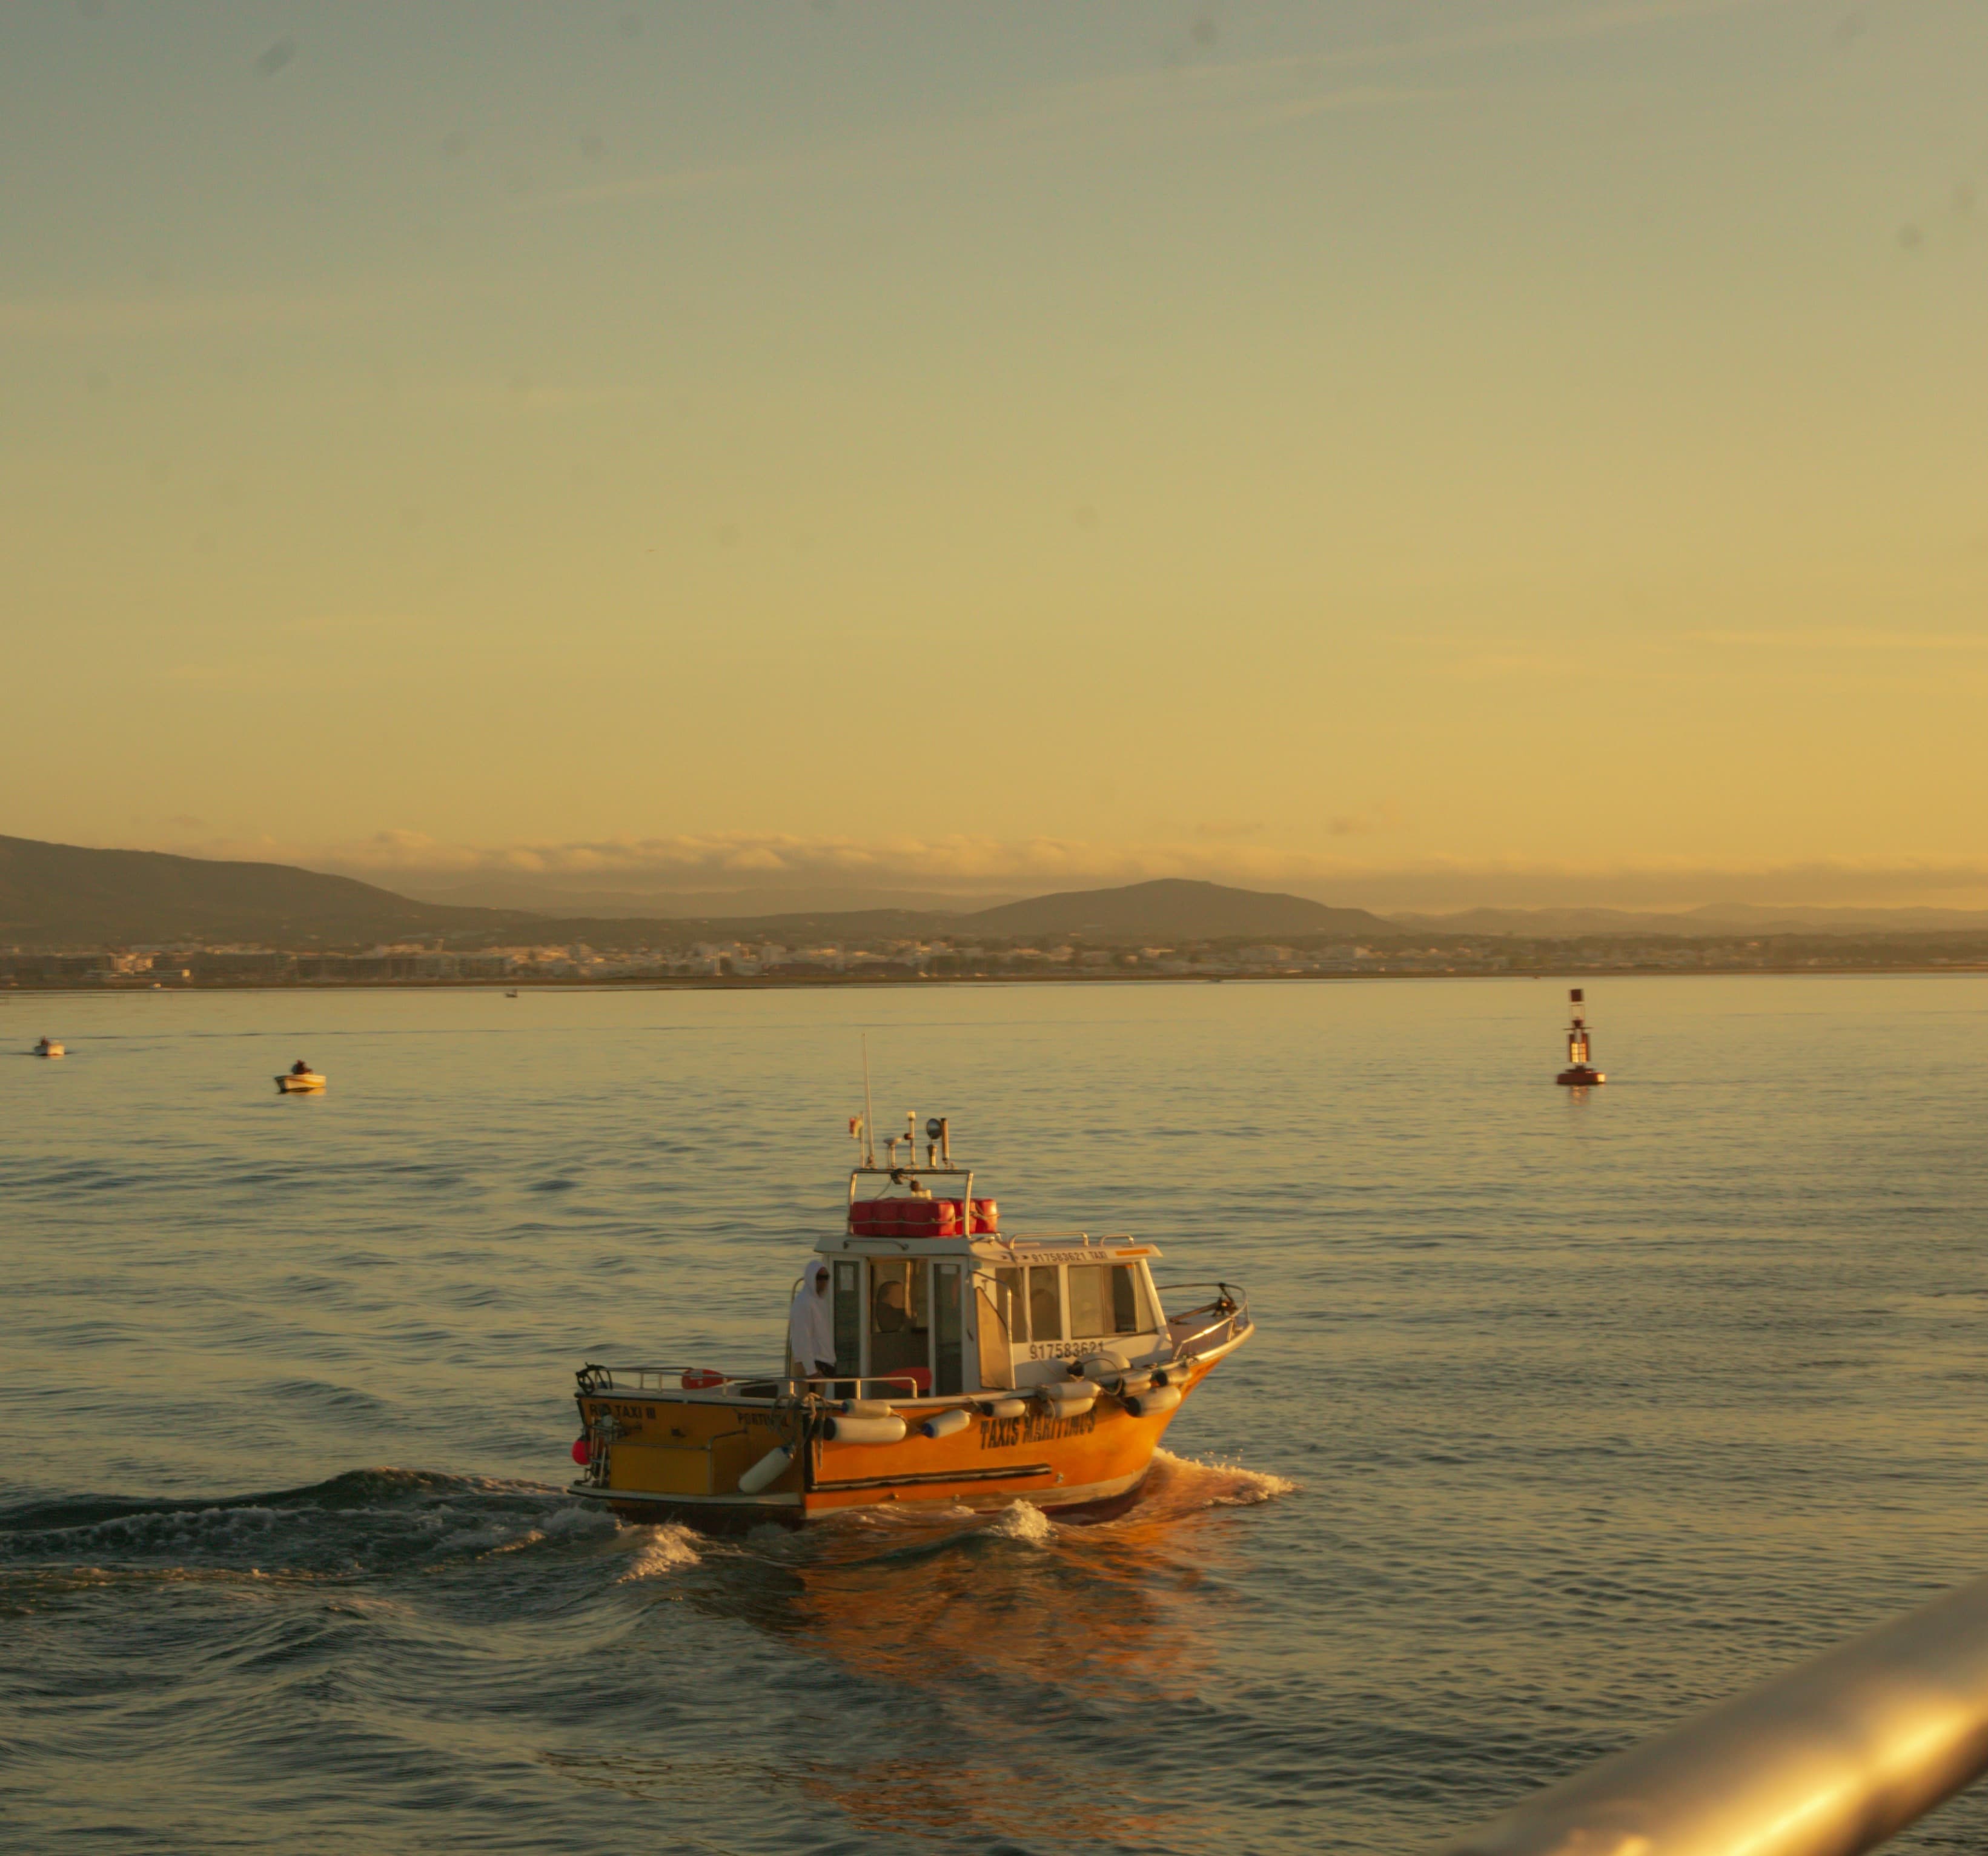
{"points": [[860, 1381], [1061, 1235], [1829, 1758], [1235, 1315], [596, 1380]]}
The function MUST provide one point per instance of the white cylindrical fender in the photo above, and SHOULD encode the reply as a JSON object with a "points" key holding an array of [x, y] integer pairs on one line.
{"points": [[1106, 1362], [1135, 1382], [943, 1424], [865, 1408], [1150, 1404], [889, 1430], [1003, 1407], [1070, 1400], [766, 1471]]}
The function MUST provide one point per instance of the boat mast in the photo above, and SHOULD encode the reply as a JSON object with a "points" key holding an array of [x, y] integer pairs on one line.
{"points": [[869, 1114]]}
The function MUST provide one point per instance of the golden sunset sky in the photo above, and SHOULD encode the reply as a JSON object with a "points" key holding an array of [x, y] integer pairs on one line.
{"points": [[1420, 451]]}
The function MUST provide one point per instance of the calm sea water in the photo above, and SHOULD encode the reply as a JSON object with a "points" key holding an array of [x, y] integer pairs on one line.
{"points": [[1566, 1416]]}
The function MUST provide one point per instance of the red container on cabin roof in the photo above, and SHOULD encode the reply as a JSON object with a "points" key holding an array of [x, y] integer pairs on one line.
{"points": [[921, 1218]]}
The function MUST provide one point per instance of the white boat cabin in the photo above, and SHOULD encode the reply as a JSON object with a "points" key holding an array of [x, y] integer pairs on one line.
{"points": [[955, 1316]]}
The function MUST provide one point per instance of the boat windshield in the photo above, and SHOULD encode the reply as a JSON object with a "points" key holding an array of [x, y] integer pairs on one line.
{"points": [[1101, 1300], [1045, 1302], [1104, 1300]]}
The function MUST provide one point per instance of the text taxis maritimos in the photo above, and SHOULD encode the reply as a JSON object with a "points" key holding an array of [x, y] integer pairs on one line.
{"points": [[932, 1362]]}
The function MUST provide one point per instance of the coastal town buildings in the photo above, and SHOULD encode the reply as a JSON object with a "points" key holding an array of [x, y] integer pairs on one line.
{"points": [[885, 958]]}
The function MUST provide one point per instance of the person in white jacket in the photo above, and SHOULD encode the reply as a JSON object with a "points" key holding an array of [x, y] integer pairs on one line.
{"points": [[811, 1325]]}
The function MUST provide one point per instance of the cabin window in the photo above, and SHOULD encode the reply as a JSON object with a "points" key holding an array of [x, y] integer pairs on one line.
{"points": [[1045, 1302], [949, 1331], [1011, 1298], [998, 1312], [900, 1331], [1104, 1298], [848, 1293]]}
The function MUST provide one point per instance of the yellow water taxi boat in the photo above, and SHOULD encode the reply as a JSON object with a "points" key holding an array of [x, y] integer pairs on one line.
{"points": [[968, 1368], [48, 1047], [298, 1083]]}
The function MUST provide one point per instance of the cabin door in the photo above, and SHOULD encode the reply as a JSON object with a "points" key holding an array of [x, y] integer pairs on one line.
{"points": [[848, 1316], [900, 1320], [949, 1329], [993, 1317]]}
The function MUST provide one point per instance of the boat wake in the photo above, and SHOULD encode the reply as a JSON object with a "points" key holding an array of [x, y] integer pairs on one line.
{"points": [[1175, 1488], [365, 1521], [368, 1523], [1181, 1485], [1023, 1520], [656, 1552]]}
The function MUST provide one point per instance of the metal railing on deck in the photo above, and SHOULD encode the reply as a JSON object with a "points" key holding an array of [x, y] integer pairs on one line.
{"points": [[1229, 1306], [1829, 1759], [596, 1380]]}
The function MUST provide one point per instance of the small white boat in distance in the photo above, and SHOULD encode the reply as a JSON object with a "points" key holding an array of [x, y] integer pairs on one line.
{"points": [[299, 1082], [48, 1047]]}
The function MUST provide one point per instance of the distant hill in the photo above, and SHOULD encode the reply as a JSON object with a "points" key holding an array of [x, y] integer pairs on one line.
{"points": [[65, 895], [68, 895], [1171, 908]]}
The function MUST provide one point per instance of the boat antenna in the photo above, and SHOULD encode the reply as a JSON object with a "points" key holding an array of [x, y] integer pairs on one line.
{"points": [[869, 1120]]}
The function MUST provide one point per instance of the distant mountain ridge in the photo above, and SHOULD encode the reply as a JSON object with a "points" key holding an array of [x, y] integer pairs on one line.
{"points": [[69, 895]]}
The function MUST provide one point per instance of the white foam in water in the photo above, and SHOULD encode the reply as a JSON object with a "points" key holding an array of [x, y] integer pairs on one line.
{"points": [[577, 1521], [1218, 1485], [659, 1550], [1023, 1521], [562, 1523]]}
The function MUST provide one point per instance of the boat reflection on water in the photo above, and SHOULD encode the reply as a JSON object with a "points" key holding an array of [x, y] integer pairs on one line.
{"points": [[971, 1658], [913, 1600]]}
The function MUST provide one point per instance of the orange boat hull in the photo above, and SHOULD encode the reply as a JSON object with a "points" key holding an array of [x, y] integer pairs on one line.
{"points": [[677, 1457]]}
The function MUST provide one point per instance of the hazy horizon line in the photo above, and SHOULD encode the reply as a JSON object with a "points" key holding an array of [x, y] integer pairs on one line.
{"points": [[964, 871]]}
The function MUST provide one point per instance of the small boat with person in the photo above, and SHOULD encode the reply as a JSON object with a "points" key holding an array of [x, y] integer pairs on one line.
{"points": [[299, 1080], [932, 1362], [48, 1047]]}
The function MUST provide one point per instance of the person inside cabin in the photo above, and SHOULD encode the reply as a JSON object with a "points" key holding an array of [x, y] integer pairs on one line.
{"points": [[811, 1326], [899, 1342], [891, 1316]]}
